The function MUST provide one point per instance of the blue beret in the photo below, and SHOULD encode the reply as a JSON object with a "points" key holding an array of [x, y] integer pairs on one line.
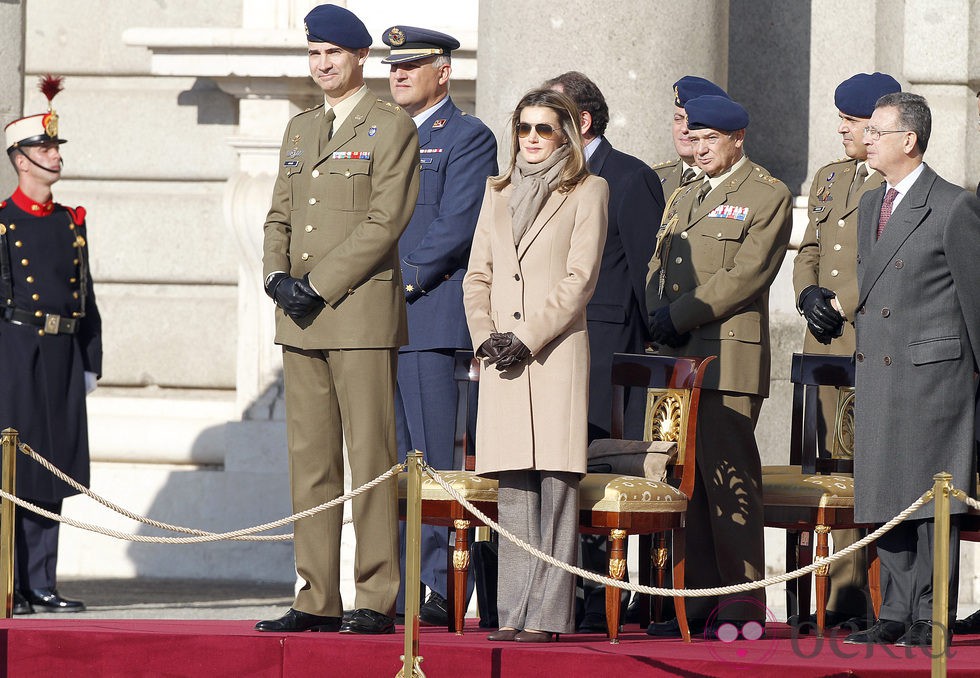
{"points": [[715, 112], [691, 86], [336, 25], [857, 95], [409, 43]]}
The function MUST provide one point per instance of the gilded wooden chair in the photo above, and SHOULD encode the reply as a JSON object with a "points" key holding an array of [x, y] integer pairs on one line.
{"points": [[814, 494], [618, 506]]}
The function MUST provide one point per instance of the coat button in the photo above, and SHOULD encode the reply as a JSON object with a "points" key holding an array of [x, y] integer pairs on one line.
{"points": [[859, 357], [315, 173], [309, 228], [899, 263], [834, 273], [517, 315], [719, 235], [312, 201], [861, 310], [887, 360], [679, 260], [684, 235], [731, 333], [347, 174], [306, 255], [517, 276], [859, 258], [30, 278], [18, 244], [840, 222], [885, 312], [40, 333], [24, 262], [837, 247], [675, 287]]}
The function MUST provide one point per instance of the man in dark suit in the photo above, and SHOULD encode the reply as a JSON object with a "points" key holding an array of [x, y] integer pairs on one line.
{"points": [[458, 153], [50, 347], [918, 344], [347, 183], [617, 311]]}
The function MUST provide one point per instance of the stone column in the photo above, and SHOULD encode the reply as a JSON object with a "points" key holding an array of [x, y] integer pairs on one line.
{"points": [[634, 51], [11, 78]]}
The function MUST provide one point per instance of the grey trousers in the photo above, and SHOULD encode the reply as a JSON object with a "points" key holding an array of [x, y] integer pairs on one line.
{"points": [[540, 508]]}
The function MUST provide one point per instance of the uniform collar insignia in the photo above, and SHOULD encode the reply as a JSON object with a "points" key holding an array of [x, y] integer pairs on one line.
{"points": [[441, 122]]}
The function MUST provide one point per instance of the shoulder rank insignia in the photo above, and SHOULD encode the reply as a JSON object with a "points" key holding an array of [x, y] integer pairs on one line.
{"points": [[662, 164], [441, 122]]}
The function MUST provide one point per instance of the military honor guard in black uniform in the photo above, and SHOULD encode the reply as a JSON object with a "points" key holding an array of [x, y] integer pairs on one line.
{"points": [[457, 154], [50, 347]]}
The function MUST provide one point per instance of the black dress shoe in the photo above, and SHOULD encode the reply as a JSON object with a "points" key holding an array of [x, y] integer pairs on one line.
{"points": [[672, 628], [369, 622], [294, 620], [920, 635], [884, 632], [48, 600], [592, 622], [21, 604], [969, 625], [434, 611]]}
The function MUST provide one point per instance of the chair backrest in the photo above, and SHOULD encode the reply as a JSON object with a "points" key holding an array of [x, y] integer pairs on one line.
{"points": [[673, 387], [808, 373], [465, 372]]}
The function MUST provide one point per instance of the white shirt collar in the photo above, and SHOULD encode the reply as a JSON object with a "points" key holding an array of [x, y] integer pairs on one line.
{"points": [[905, 184], [591, 146]]}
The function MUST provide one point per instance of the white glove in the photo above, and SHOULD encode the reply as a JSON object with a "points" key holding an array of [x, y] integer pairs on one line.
{"points": [[91, 381]]}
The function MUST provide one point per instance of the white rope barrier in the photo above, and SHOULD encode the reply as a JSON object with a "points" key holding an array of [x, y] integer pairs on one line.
{"points": [[685, 593], [209, 536]]}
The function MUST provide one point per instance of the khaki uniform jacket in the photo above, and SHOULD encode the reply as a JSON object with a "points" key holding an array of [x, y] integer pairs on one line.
{"points": [[828, 252], [717, 266], [535, 416], [338, 209]]}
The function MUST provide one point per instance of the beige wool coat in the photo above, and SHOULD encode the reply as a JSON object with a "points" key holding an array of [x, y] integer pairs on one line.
{"points": [[534, 415]]}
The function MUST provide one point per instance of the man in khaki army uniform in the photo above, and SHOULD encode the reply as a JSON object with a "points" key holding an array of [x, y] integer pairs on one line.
{"points": [[673, 173], [825, 281], [719, 248], [346, 189]]}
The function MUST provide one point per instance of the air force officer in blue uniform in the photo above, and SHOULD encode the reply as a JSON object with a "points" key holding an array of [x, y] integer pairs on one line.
{"points": [[457, 154]]}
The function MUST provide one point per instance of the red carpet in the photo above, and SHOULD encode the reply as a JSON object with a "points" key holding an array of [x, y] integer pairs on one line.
{"points": [[55, 646]]}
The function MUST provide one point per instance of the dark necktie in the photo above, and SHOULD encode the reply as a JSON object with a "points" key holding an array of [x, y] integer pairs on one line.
{"points": [[689, 174], [328, 117], [859, 177], [886, 209], [704, 191]]}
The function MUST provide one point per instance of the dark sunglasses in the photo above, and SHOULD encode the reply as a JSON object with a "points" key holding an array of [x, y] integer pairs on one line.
{"points": [[544, 130]]}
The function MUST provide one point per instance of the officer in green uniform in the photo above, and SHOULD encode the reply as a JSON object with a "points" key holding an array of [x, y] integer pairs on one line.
{"points": [[346, 188], [673, 173], [825, 281], [720, 245]]}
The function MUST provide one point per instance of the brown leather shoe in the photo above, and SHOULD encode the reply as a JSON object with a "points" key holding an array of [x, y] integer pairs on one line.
{"points": [[503, 635], [532, 636]]}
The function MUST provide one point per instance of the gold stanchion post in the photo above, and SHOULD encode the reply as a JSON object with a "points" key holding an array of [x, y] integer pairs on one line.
{"points": [[7, 477], [940, 575], [413, 568]]}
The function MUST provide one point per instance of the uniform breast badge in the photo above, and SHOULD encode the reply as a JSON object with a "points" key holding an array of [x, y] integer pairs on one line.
{"points": [[823, 195], [441, 122], [373, 130]]}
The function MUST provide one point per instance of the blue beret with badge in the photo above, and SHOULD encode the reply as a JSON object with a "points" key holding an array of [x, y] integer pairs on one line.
{"points": [[336, 25], [691, 86], [857, 95], [409, 43], [713, 111]]}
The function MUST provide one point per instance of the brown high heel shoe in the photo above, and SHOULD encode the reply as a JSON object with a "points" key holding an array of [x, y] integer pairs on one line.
{"points": [[532, 636], [503, 634]]}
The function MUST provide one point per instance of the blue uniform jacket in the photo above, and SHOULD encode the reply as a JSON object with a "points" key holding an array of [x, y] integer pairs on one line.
{"points": [[457, 154]]}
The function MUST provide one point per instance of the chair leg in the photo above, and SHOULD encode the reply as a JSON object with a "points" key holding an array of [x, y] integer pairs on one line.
{"points": [[804, 557], [792, 586], [461, 568], [680, 608], [617, 570], [874, 578], [661, 556], [822, 552]]}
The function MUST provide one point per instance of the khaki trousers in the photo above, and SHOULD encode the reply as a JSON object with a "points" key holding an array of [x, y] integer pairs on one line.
{"points": [[333, 395]]}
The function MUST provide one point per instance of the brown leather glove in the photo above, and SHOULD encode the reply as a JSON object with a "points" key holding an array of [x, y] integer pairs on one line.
{"points": [[488, 351], [514, 353]]}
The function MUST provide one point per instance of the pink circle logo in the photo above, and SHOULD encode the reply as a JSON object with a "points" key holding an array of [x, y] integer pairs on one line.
{"points": [[742, 645]]}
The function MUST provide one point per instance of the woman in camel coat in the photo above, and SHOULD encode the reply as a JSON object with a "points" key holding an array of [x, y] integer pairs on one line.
{"points": [[533, 267]]}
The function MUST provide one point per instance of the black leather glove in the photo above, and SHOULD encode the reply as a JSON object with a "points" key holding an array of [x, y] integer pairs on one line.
{"points": [[662, 329], [513, 353], [489, 351], [822, 319], [273, 282], [297, 297]]}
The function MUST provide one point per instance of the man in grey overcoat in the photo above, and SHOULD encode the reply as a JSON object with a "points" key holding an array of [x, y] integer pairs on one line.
{"points": [[918, 341]]}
